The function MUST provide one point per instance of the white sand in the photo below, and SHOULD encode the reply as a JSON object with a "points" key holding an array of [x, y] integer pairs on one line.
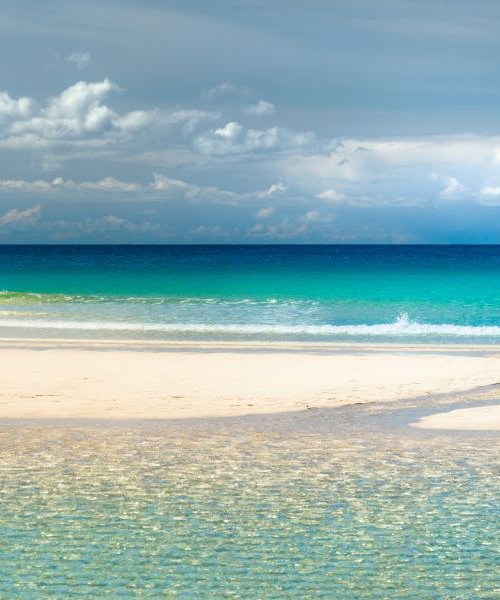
{"points": [[64, 379], [485, 418]]}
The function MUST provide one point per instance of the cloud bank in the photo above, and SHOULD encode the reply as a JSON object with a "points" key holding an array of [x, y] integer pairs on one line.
{"points": [[230, 172]]}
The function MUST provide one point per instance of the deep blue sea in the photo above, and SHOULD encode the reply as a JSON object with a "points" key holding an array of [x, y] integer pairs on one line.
{"points": [[444, 294]]}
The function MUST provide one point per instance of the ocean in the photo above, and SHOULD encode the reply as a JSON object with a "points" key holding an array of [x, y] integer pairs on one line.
{"points": [[391, 294], [342, 502]]}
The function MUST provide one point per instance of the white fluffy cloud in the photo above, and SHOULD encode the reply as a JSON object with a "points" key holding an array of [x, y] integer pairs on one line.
{"points": [[303, 183], [400, 171], [12, 108], [276, 188], [80, 115], [261, 109], [77, 112], [330, 195], [234, 139]]}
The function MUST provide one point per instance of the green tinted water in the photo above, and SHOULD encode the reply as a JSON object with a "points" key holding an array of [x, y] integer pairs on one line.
{"points": [[437, 294], [241, 510]]}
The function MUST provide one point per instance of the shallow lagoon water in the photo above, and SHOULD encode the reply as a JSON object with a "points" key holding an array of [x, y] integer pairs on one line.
{"points": [[340, 503]]}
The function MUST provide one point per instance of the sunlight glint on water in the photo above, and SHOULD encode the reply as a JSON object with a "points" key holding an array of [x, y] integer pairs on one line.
{"points": [[103, 511]]}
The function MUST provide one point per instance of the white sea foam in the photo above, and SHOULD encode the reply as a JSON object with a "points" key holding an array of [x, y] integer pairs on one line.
{"points": [[9, 297], [402, 327]]}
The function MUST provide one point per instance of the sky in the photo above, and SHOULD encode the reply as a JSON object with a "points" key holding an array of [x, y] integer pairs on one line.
{"points": [[238, 121]]}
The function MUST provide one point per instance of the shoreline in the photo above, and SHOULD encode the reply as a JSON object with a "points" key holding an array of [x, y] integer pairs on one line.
{"points": [[244, 345], [98, 379]]}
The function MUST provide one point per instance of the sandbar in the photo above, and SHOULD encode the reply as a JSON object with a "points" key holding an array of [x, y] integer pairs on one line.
{"points": [[127, 380], [478, 418]]}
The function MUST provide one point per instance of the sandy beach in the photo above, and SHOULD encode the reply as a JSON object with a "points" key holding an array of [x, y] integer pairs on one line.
{"points": [[480, 418], [135, 380]]}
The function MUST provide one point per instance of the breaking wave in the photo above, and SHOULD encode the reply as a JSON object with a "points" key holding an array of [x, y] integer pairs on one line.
{"points": [[401, 327]]}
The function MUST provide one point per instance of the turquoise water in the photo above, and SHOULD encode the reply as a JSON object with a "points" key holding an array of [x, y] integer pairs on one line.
{"points": [[313, 293], [344, 503], [324, 504]]}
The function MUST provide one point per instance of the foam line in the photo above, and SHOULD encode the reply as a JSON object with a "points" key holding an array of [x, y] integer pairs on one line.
{"points": [[403, 326]]}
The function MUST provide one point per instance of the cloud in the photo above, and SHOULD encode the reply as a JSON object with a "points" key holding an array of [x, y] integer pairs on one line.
{"points": [[311, 216], [276, 188], [330, 195], [136, 120], [19, 185], [261, 109], [418, 171], [211, 231], [12, 108], [80, 116], [489, 195], [16, 217], [293, 178], [490, 190], [115, 223], [107, 227], [234, 139], [78, 112], [80, 59], [168, 187], [453, 190], [224, 89], [190, 119], [264, 213], [161, 187], [107, 184]]}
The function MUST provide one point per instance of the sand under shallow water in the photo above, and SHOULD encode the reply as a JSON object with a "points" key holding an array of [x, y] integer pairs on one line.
{"points": [[343, 502]]}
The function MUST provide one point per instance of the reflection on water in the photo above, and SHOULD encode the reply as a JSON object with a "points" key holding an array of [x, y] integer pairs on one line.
{"points": [[247, 510]]}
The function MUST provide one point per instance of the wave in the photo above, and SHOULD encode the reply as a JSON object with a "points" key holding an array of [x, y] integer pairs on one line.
{"points": [[402, 327], [8, 297], [21, 313]]}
